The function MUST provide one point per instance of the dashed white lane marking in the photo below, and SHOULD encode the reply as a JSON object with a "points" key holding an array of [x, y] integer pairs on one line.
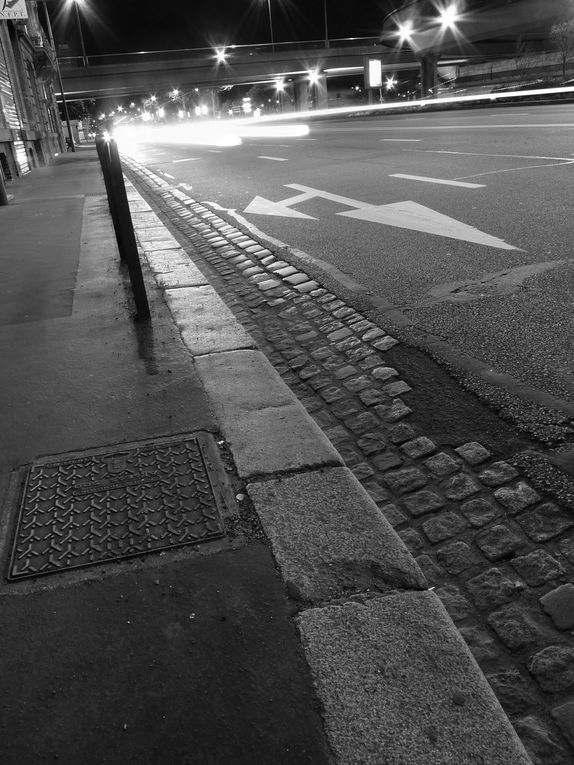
{"points": [[214, 151], [408, 140], [480, 154], [426, 179], [485, 126], [167, 175], [187, 159], [274, 159]]}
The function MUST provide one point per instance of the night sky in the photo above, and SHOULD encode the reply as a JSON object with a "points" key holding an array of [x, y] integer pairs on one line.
{"points": [[123, 26]]}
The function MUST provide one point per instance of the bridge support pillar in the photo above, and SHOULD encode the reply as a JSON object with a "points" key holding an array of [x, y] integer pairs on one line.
{"points": [[429, 75], [311, 95]]}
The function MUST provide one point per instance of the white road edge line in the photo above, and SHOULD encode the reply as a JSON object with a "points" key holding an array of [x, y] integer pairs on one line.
{"points": [[409, 140], [275, 159], [187, 159], [426, 179]]}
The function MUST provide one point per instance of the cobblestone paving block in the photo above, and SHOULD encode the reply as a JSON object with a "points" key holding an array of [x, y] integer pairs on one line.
{"points": [[434, 574], [393, 515], [412, 540], [545, 522], [444, 526], [564, 716], [478, 512], [456, 557], [384, 373], [387, 461], [473, 452], [460, 486], [540, 743], [371, 443], [441, 465], [500, 542], [498, 474], [419, 447], [423, 502], [405, 480], [512, 690], [481, 645], [454, 601], [537, 567], [518, 497], [492, 588], [553, 668], [559, 605], [517, 626]]}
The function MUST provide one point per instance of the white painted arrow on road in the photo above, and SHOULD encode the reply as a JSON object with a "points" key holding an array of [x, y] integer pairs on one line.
{"points": [[409, 215]]}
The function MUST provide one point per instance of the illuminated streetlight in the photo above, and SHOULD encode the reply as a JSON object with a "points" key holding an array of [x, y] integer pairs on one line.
{"points": [[449, 16], [405, 31], [390, 83], [221, 55], [314, 77]]}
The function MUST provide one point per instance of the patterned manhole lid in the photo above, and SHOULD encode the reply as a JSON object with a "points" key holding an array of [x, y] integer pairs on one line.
{"points": [[108, 504]]}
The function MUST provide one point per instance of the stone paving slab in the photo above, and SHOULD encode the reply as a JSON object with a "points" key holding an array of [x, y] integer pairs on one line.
{"points": [[492, 546], [394, 668], [329, 537]]}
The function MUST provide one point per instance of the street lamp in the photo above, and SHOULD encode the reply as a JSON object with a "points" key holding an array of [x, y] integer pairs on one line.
{"points": [[60, 83], [449, 16], [76, 3], [271, 26]]}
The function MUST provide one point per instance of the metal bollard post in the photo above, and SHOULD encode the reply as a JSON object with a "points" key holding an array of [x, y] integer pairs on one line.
{"points": [[3, 192], [104, 157], [120, 211]]}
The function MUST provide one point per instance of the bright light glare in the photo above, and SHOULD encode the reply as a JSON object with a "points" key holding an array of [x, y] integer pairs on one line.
{"points": [[405, 30], [390, 83], [279, 85], [449, 16], [221, 56], [271, 131], [313, 77]]}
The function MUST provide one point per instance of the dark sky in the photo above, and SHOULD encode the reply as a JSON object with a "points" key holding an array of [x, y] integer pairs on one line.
{"points": [[122, 26]]}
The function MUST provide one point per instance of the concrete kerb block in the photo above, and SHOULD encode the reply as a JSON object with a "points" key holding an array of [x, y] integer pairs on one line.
{"points": [[329, 538], [267, 428], [398, 685], [173, 268], [206, 324]]}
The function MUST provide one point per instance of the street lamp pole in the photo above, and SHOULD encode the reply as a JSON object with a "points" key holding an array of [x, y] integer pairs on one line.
{"points": [[84, 57], [59, 74], [326, 29], [271, 26]]}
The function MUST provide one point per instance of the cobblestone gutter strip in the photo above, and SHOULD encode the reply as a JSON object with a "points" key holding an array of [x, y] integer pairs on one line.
{"points": [[498, 554]]}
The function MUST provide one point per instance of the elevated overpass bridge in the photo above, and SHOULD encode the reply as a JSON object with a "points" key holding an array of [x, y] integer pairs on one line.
{"points": [[138, 73]]}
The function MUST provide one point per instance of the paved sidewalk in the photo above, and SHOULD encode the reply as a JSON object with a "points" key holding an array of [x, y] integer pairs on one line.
{"points": [[300, 629]]}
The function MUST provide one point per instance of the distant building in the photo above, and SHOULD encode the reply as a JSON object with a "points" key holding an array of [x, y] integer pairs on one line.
{"points": [[30, 128]]}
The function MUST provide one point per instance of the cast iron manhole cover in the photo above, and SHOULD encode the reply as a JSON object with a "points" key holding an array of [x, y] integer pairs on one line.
{"points": [[108, 504]]}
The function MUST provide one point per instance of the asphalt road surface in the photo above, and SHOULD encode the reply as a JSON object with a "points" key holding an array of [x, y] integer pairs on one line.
{"points": [[462, 220]]}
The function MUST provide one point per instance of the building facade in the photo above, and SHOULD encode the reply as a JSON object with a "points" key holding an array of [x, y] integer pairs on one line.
{"points": [[30, 126]]}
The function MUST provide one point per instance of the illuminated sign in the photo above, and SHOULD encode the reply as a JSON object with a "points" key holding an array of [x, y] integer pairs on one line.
{"points": [[13, 10], [373, 73]]}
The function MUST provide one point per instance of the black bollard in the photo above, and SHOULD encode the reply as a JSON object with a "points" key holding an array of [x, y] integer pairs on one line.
{"points": [[121, 216]]}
